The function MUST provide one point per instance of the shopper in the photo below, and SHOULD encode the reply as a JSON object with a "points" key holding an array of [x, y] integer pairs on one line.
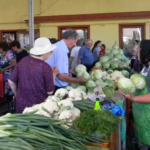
{"points": [[59, 58], [74, 53], [95, 50], [34, 77], [134, 53], [7, 63], [141, 100], [20, 53], [85, 55]]}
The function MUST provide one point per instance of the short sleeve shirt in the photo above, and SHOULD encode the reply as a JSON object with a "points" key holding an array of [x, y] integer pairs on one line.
{"points": [[21, 55], [86, 56], [34, 78], [96, 50], [59, 58], [74, 54]]}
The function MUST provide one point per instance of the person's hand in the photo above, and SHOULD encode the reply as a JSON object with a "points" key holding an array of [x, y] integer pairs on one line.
{"points": [[81, 79], [55, 70], [72, 70], [129, 96]]}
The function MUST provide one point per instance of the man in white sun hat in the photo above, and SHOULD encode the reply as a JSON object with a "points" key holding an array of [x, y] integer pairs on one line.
{"points": [[59, 58], [34, 77]]}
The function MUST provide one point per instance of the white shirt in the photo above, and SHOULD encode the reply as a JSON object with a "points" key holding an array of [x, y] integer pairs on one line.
{"points": [[74, 53], [59, 58]]}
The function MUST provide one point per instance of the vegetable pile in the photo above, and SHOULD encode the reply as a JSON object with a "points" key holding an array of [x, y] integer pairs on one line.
{"points": [[115, 60], [54, 108], [101, 122], [35, 132]]}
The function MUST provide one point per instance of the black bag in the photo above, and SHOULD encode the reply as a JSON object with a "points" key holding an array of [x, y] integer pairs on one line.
{"points": [[13, 106]]}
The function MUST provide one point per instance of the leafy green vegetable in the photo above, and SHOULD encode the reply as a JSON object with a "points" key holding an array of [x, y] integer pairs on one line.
{"points": [[108, 91], [139, 81], [102, 122]]}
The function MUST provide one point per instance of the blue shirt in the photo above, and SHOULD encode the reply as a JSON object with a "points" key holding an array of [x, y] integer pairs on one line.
{"points": [[59, 58], [86, 56], [95, 54]]}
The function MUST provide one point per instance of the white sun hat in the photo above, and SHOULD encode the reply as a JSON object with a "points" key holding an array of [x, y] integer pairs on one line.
{"points": [[42, 46]]}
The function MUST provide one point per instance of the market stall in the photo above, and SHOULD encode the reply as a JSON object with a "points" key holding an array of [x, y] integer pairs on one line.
{"points": [[79, 116]]}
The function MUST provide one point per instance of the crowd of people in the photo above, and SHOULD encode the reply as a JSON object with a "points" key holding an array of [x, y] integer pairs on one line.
{"points": [[32, 78]]}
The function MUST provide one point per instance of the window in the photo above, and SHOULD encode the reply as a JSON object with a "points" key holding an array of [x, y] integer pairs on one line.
{"points": [[83, 31], [21, 35], [128, 33]]}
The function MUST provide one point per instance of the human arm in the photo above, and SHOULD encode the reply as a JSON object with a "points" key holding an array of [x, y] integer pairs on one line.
{"points": [[80, 55], [70, 62], [12, 65], [13, 86], [55, 72], [138, 99], [67, 78], [98, 54], [79, 61]]}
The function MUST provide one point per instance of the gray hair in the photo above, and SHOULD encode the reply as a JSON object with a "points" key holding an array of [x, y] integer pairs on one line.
{"points": [[88, 41], [70, 33], [80, 42]]}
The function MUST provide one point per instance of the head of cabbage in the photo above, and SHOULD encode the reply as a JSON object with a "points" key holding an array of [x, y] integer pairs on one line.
{"points": [[125, 73], [98, 82], [80, 68], [114, 65], [96, 74], [118, 56], [108, 91], [125, 85], [74, 85], [90, 84], [120, 51], [139, 81], [81, 87], [107, 51], [106, 65], [104, 59], [115, 51], [85, 77], [98, 64]]}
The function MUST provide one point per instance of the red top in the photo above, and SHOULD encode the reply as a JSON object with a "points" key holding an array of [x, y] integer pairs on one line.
{"points": [[102, 51], [34, 78]]}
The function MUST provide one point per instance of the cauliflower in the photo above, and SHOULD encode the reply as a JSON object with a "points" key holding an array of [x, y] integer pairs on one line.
{"points": [[50, 106], [68, 88], [116, 75], [61, 93], [66, 114], [36, 107], [78, 99], [29, 110], [52, 98], [75, 93], [70, 99], [43, 113], [66, 103], [75, 113], [84, 96]]}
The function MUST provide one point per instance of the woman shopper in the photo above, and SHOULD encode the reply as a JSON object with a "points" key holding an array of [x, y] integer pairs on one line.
{"points": [[95, 50], [34, 77], [7, 63], [141, 101]]}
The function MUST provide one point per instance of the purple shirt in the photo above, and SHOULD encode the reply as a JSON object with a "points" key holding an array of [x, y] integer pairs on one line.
{"points": [[34, 78]]}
